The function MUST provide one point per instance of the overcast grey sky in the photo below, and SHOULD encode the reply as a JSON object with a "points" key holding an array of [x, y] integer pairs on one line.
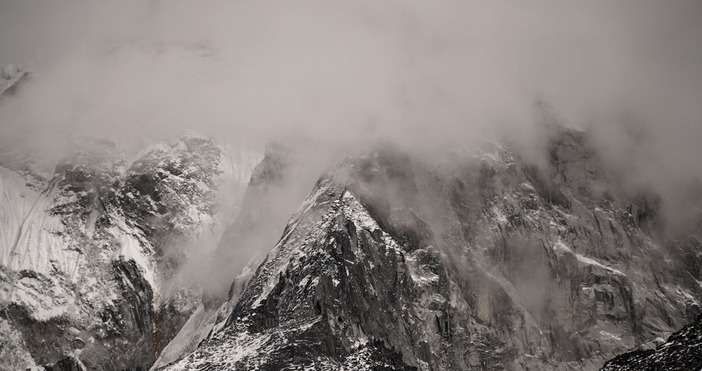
{"points": [[414, 71]]}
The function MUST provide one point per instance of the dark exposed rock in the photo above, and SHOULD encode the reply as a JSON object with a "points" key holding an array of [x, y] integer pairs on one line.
{"points": [[681, 352], [66, 364], [46, 340], [164, 183], [489, 263]]}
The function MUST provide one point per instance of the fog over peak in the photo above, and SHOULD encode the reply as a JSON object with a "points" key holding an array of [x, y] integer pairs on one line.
{"points": [[422, 74]]}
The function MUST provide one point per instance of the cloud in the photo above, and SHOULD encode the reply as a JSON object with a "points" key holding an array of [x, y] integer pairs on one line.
{"points": [[423, 74]]}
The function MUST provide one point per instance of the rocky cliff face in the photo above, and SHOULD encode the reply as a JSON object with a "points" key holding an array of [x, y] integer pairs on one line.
{"points": [[480, 262], [86, 252]]}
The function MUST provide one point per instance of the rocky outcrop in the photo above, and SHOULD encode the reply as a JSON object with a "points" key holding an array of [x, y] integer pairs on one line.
{"points": [[482, 262], [682, 351], [11, 77], [66, 364]]}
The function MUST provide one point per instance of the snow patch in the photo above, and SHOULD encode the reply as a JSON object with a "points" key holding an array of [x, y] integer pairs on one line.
{"points": [[132, 249], [589, 261], [611, 336], [561, 248]]}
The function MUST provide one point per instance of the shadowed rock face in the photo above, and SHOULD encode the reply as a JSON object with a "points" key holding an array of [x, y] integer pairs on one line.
{"points": [[482, 263], [66, 364], [682, 351]]}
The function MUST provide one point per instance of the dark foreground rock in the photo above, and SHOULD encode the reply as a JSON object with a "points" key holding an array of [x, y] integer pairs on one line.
{"points": [[681, 352]]}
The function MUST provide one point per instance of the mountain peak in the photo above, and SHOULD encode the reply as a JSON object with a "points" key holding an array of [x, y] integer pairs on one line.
{"points": [[484, 263]]}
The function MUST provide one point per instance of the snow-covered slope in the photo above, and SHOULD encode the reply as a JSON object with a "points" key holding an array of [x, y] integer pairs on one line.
{"points": [[485, 263], [85, 256], [26, 224]]}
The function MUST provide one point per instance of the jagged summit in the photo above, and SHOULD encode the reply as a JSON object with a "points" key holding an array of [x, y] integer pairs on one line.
{"points": [[475, 259], [489, 263]]}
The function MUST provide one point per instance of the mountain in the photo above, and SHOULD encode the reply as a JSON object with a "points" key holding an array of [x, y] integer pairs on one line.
{"points": [[682, 351], [88, 252], [471, 258], [277, 185], [477, 260]]}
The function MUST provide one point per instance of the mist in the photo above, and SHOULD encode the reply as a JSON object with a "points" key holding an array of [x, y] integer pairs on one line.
{"points": [[327, 76]]}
